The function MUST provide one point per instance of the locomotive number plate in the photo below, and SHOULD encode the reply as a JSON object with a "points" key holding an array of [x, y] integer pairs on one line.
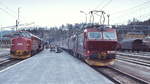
{"points": [[19, 43]]}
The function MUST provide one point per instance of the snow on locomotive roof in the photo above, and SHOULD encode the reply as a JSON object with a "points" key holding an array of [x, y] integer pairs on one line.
{"points": [[24, 34], [21, 34]]}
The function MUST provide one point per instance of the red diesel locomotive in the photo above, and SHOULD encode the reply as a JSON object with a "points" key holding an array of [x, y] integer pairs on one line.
{"points": [[97, 46], [25, 44]]}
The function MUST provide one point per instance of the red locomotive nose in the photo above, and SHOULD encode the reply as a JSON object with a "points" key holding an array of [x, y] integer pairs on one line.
{"points": [[20, 43], [101, 45]]}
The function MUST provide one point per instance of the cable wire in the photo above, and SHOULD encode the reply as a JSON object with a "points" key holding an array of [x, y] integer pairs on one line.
{"points": [[99, 4], [8, 13], [106, 4], [121, 11], [6, 7], [130, 12]]}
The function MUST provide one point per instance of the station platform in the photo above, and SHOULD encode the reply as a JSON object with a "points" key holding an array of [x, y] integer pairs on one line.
{"points": [[51, 68], [4, 51]]}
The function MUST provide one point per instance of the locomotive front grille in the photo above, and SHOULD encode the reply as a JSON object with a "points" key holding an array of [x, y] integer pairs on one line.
{"points": [[98, 56], [19, 52], [102, 56]]}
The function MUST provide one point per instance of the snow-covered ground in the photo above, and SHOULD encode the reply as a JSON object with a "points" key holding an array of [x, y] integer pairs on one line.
{"points": [[4, 51], [51, 68], [145, 54], [140, 71]]}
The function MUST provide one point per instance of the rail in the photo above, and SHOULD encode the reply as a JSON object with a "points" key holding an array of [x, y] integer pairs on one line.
{"points": [[135, 60], [120, 77]]}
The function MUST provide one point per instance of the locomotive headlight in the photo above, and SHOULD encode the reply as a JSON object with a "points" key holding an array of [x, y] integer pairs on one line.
{"points": [[28, 44], [103, 54], [111, 52], [88, 51]]}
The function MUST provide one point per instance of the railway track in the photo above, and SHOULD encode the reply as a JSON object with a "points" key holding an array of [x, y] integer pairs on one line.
{"points": [[142, 53], [139, 53], [4, 55], [7, 62], [119, 77], [135, 60], [4, 61], [134, 56]]}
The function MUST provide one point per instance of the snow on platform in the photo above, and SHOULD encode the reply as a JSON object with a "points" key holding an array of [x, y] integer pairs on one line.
{"points": [[4, 51], [51, 68]]}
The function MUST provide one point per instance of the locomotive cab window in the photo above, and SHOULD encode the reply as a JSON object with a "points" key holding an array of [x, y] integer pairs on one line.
{"points": [[94, 35], [109, 35], [18, 34], [27, 35]]}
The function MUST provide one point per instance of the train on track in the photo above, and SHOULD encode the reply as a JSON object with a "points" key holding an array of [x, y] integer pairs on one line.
{"points": [[96, 45], [135, 44], [146, 41], [25, 44]]}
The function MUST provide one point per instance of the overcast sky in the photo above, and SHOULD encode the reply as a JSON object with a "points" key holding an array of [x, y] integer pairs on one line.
{"points": [[57, 12]]}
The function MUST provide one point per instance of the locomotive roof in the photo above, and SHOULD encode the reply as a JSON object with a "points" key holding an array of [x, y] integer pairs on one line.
{"points": [[24, 34], [94, 29]]}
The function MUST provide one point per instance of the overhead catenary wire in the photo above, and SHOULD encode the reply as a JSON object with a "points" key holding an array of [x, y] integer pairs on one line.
{"points": [[8, 8], [8, 13], [132, 12], [106, 4], [100, 4], [130, 16], [14, 14], [11, 12], [129, 13], [131, 8], [147, 15]]}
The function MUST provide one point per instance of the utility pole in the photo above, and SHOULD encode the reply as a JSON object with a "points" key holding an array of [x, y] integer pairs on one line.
{"points": [[1, 35], [17, 21]]}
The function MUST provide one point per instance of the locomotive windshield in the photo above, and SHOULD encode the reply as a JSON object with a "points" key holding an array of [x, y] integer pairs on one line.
{"points": [[109, 35], [94, 35], [18, 34], [21, 34]]}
